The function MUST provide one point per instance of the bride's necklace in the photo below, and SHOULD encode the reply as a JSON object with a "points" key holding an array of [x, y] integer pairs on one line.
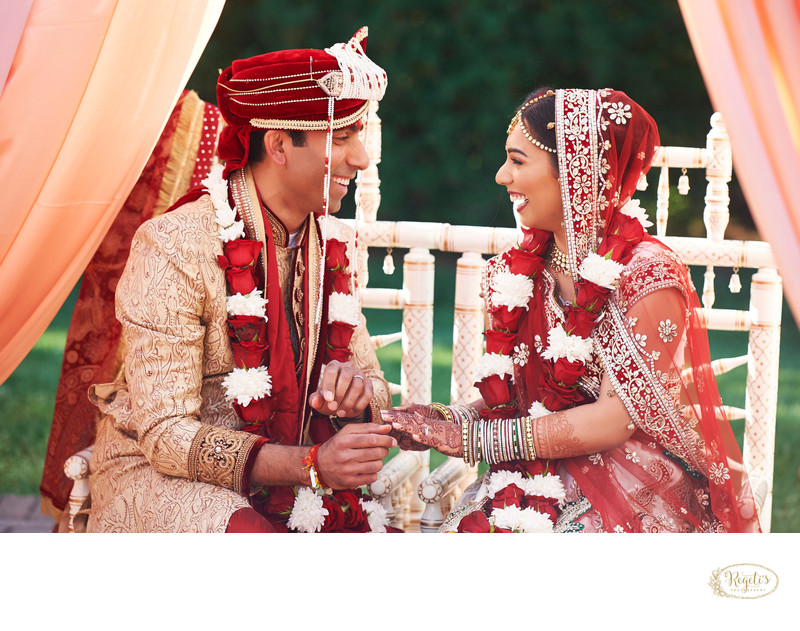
{"points": [[558, 260]]}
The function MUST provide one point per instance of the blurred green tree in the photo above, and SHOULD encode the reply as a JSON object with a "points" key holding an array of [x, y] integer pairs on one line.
{"points": [[458, 68]]}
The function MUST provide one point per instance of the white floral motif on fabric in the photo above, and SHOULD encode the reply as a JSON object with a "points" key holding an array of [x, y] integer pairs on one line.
{"points": [[667, 330], [521, 354], [619, 113], [718, 473], [630, 454]]}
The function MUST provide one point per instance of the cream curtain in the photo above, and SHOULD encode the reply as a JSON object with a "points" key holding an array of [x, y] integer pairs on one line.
{"points": [[749, 54], [89, 89]]}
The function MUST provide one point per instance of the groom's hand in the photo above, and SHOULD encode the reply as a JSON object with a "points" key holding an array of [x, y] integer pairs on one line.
{"points": [[344, 391]]}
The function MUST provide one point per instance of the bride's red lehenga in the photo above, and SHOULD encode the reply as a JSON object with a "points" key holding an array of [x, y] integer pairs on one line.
{"points": [[681, 470]]}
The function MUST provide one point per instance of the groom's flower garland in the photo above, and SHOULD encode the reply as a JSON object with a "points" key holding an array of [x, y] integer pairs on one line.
{"points": [[528, 503], [249, 385]]}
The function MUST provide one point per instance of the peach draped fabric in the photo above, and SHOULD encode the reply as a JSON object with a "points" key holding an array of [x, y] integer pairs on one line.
{"points": [[90, 87], [749, 54]]}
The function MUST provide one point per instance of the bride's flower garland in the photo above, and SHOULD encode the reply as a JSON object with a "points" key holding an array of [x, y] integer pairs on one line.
{"points": [[249, 385], [517, 503]]}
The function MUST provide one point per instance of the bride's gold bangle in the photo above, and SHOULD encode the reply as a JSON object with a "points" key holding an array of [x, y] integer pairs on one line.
{"points": [[442, 409]]}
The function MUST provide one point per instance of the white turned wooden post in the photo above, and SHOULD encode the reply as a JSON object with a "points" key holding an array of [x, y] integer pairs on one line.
{"points": [[662, 202], [76, 468], [417, 364], [468, 325], [417, 368], [716, 212], [440, 489], [766, 301], [388, 488]]}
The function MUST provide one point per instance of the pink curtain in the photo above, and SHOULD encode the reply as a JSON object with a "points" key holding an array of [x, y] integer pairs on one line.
{"points": [[90, 87], [749, 54]]}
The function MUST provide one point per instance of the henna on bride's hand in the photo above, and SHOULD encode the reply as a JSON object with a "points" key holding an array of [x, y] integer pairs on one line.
{"points": [[444, 437], [553, 437]]}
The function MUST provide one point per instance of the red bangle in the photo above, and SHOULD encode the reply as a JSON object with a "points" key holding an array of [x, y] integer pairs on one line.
{"points": [[312, 467]]}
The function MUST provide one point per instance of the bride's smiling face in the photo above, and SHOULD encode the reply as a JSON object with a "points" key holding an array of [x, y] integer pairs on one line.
{"points": [[531, 180]]}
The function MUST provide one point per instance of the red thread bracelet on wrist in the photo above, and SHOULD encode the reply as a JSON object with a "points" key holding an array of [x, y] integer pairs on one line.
{"points": [[312, 467]]}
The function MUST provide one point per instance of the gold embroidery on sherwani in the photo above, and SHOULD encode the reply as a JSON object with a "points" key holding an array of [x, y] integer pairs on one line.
{"points": [[218, 456], [171, 302]]}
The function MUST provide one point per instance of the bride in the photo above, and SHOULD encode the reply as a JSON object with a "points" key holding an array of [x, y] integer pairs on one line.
{"points": [[599, 408]]}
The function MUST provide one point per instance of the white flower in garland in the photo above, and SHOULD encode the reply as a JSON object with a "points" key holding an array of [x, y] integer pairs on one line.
{"points": [[501, 479], [543, 485], [562, 344], [600, 270], [217, 187], [546, 486], [244, 385], [334, 229], [377, 516], [494, 364], [252, 304], [308, 513], [343, 308], [519, 519], [634, 210], [232, 232], [511, 290], [537, 409]]}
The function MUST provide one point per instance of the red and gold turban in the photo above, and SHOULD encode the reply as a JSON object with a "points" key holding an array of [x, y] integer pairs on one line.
{"points": [[301, 89]]}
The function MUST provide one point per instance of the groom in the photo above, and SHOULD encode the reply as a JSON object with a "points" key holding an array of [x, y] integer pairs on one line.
{"points": [[248, 366]]}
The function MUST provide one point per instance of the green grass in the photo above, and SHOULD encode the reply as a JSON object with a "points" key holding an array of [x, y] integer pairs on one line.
{"points": [[27, 397]]}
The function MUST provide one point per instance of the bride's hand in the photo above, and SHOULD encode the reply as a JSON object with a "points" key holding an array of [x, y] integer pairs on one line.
{"points": [[427, 431]]}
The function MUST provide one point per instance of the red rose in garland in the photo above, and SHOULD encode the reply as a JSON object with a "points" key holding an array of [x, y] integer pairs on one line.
{"points": [[524, 262], [578, 321], [336, 255], [340, 334], [240, 280], [500, 342], [506, 319], [565, 371], [355, 519], [476, 521], [510, 495], [240, 253], [255, 412], [248, 354], [495, 390], [339, 281], [247, 328]]}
